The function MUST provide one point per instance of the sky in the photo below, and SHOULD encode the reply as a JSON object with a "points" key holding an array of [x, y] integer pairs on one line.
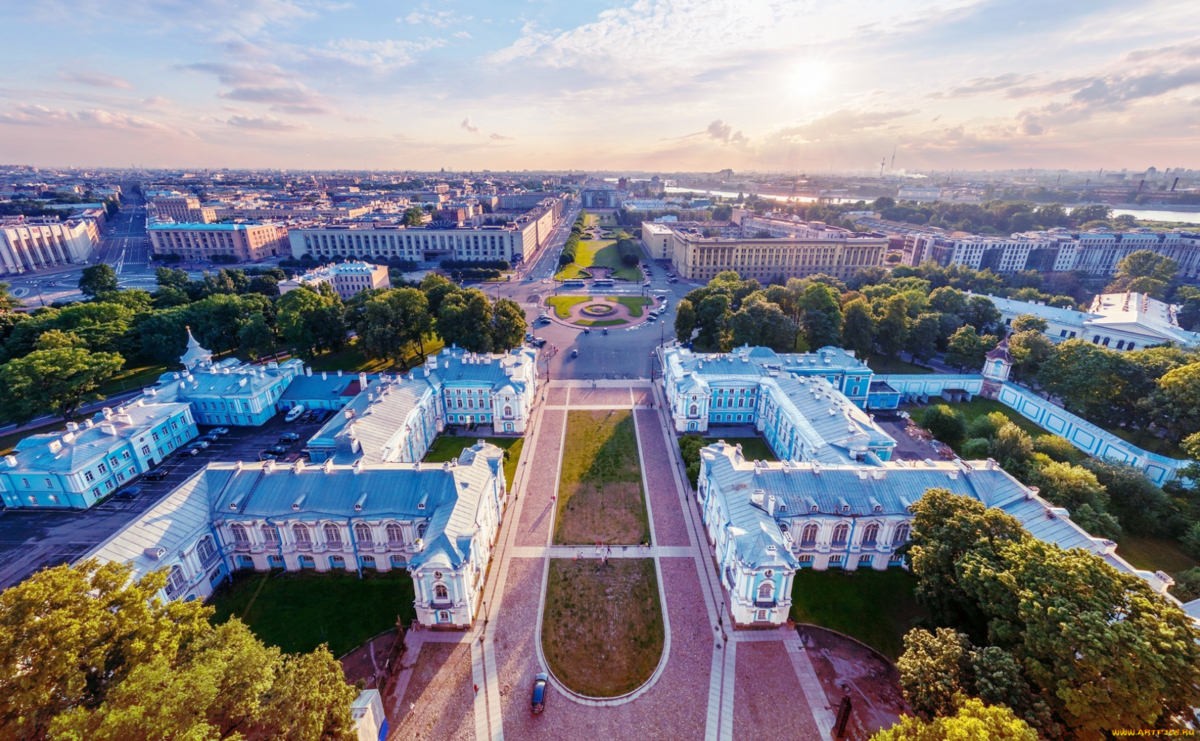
{"points": [[654, 85]]}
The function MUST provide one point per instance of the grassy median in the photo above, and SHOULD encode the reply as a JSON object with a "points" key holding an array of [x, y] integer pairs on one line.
{"points": [[600, 492], [602, 631]]}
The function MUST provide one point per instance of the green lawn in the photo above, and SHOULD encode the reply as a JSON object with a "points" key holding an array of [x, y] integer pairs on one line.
{"points": [[446, 447], [600, 322], [9, 441], [602, 629], [979, 407], [601, 253], [572, 271], [132, 379], [1155, 554], [600, 493], [562, 304], [352, 359], [634, 303], [876, 607], [895, 366], [299, 610], [753, 448]]}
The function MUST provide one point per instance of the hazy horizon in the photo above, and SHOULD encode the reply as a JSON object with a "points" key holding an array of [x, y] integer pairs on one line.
{"points": [[654, 85]]}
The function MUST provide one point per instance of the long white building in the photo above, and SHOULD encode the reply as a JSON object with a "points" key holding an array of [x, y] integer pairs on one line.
{"points": [[1118, 321], [36, 244]]}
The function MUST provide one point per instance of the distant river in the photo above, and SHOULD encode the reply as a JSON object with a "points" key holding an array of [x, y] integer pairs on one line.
{"points": [[1190, 217]]}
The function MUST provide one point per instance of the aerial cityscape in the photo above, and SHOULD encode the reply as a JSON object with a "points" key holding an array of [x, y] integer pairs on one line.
{"points": [[669, 369]]}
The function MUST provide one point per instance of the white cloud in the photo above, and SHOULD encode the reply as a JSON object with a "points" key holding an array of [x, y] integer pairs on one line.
{"points": [[499, 137], [96, 79], [296, 99], [264, 123], [39, 115], [466, 124], [435, 18], [380, 55]]}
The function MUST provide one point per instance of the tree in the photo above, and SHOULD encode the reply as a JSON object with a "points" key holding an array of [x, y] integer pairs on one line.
{"points": [[1077, 489], [69, 634], [974, 720], [934, 671], [57, 380], [822, 317], [508, 325], [946, 424], [1178, 401], [171, 278], [393, 320], [892, 332], [436, 287], [1029, 349], [923, 336], [982, 314], [296, 311], [1012, 447], [685, 320], [1026, 322], [57, 338], [858, 328], [965, 350], [257, 337], [464, 318], [8, 302], [1144, 271], [1142, 507], [949, 300], [760, 323], [413, 216], [97, 279], [1127, 658], [1083, 375], [712, 317]]}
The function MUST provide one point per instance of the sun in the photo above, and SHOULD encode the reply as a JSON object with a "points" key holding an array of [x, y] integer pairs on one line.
{"points": [[809, 78]]}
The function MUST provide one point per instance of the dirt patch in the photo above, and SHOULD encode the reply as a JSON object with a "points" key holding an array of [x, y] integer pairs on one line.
{"points": [[600, 493], [440, 700], [602, 631], [846, 666], [369, 662]]}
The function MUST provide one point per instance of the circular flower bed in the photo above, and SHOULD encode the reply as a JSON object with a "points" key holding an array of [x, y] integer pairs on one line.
{"points": [[598, 309]]}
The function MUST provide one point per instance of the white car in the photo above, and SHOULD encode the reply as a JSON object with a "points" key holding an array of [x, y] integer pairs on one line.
{"points": [[295, 413]]}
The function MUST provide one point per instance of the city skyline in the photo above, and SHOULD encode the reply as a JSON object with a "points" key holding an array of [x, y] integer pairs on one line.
{"points": [[668, 85]]}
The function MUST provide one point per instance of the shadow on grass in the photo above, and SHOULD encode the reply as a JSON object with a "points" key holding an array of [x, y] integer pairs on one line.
{"points": [[600, 491]]}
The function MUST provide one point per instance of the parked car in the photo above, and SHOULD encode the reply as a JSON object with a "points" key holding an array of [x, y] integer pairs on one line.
{"points": [[157, 474], [528, 336], [605, 332], [538, 342], [128, 494], [289, 437], [279, 449], [190, 452], [540, 686], [268, 455], [574, 353], [200, 444], [218, 431], [294, 414]]}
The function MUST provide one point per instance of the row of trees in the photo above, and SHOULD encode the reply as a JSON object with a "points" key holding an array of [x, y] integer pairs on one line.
{"points": [[628, 249], [571, 247], [86, 653], [1075, 648]]}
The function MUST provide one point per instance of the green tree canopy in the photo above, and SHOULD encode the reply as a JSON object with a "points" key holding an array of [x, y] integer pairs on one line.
{"points": [[858, 328], [685, 320], [97, 279], [821, 321], [57, 381]]}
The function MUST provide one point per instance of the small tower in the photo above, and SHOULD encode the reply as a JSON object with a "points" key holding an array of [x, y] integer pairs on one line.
{"points": [[999, 363], [195, 355]]}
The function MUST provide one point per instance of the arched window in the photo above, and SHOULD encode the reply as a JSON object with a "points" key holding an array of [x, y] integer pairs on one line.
{"points": [[207, 551], [809, 536], [333, 534], [840, 533], [270, 533], [239, 533], [507, 411], [695, 410], [421, 530], [901, 535], [871, 534], [362, 532], [440, 592], [176, 582], [395, 534], [301, 533], [765, 591]]}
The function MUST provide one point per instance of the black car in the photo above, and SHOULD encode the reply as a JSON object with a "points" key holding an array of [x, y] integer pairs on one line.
{"points": [[605, 332], [129, 494], [540, 685], [289, 437], [268, 455], [279, 449], [157, 474]]}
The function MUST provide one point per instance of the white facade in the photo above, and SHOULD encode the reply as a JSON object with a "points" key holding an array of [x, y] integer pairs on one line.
{"points": [[347, 278], [658, 240], [1118, 321], [36, 244]]}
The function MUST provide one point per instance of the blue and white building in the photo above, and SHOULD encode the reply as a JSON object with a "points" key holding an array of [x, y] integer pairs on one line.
{"points": [[768, 520], [808, 406], [437, 521], [82, 465], [396, 418], [1118, 321]]}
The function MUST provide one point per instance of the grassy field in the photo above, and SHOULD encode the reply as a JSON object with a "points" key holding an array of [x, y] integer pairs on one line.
{"points": [[602, 630], [876, 607], [601, 253], [600, 493], [352, 359], [298, 611], [753, 448], [1155, 554], [600, 322], [572, 271], [131, 379], [896, 366], [446, 447], [635, 303], [562, 304], [979, 407]]}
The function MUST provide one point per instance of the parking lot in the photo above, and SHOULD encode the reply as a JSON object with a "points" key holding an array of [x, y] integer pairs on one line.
{"points": [[31, 540]]}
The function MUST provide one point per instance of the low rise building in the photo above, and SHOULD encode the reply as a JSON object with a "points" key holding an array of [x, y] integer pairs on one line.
{"points": [[1119, 321], [77, 468], [346, 278], [28, 244], [243, 242], [768, 520], [438, 521], [658, 239], [182, 209]]}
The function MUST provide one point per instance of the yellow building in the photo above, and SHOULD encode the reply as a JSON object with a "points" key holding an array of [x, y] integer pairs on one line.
{"points": [[837, 252]]}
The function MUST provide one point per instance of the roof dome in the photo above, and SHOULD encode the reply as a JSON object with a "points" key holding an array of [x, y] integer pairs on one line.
{"points": [[195, 354]]}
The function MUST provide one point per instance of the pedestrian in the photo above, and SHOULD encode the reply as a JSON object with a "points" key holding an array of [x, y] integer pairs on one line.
{"points": [[476, 688]]}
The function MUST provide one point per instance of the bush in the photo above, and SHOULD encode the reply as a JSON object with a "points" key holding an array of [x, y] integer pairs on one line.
{"points": [[987, 426], [976, 448], [1187, 585], [224, 259], [1191, 540], [946, 424], [1058, 448], [630, 254], [474, 275], [475, 264], [693, 473]]}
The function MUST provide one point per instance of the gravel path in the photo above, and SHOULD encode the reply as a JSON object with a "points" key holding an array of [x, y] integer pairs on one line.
{"points": [[642, 396], [557, 397], [537, 511], [669, 526], [614, 397], [675, 708], [767, 699], [443, 695]]}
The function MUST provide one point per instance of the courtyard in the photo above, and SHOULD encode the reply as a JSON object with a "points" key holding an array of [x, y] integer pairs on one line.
{"points": [[876, 607]]}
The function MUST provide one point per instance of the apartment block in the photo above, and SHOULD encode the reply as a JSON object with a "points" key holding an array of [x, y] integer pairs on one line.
{"points": [[346, 278], [34, 244], [245, 242]]}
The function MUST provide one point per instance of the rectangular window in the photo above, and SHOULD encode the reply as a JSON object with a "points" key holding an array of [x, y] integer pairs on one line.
{"points": [[102, 468], [156, 437], [49, 484], [125, 455], [87, 476], [145, 450], [113, 461], [108, 484]]}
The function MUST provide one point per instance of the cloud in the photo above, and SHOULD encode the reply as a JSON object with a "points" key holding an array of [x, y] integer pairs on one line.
{"points": [[96, 79], [264, 123], [241, 74], [983, 85], [379, 55], [437, 19], [462, 35], [296, 100], [842, 123], [719, 130], [499, 137], [38, 115], [156, 101], [466, 124]]}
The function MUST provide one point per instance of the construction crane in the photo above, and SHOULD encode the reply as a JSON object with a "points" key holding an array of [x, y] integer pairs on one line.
{"points": [[882, 163]]}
